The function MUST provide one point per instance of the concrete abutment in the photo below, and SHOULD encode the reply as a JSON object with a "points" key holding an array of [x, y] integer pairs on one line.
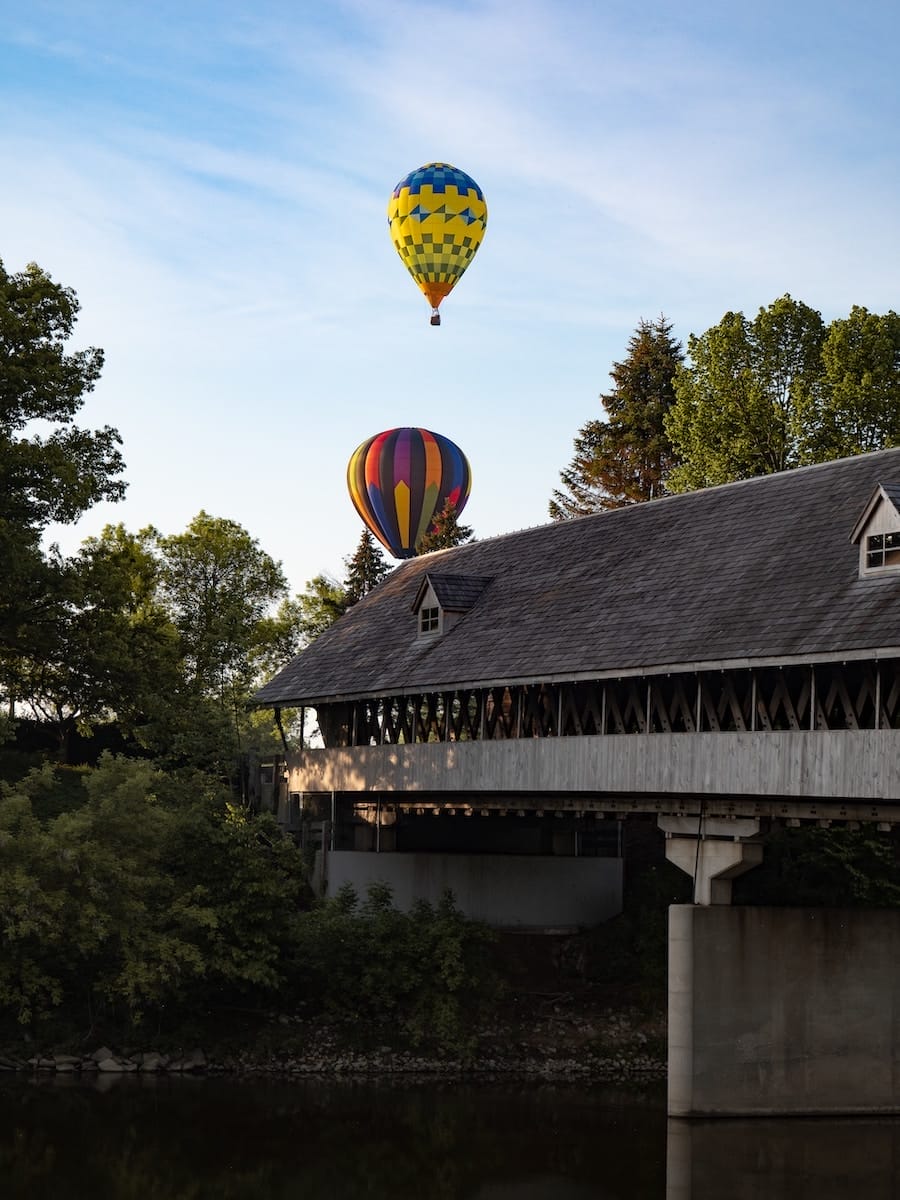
{"points": [[778, 1011]]}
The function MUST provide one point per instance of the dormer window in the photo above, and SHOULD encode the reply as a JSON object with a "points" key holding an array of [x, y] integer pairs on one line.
{"points": [[882, 550], [443, 600], [878, 533], [429, 620]]}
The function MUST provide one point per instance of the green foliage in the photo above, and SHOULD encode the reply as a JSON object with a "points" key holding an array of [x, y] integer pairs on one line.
{"points": [[855, 404], [742, 398], [219, 586], [835, 867], [626, 458], [114, 649], [57, 477], [324, 602], [444, 532], [49, 471], [784, 390], [366, 568], [426, 973], [151, 895]]}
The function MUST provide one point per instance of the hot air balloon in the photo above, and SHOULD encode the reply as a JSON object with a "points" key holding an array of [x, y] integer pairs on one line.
{"points": [[437, 217], [399, 480]]}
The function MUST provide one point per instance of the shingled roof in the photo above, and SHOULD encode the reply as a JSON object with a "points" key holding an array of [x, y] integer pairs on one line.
{"points": [[760, 571], [454, 593]]}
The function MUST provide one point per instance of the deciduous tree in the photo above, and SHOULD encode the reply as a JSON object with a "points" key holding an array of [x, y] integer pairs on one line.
{"points": [[51, 470], [742, 399], [219, 586], [855, 403]]}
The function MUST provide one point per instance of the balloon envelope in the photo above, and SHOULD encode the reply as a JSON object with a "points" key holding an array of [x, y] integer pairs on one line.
{"points": [[398, 480], [437, 217]]}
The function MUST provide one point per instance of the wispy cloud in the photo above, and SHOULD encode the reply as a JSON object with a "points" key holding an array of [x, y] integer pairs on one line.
{"points": [[213, 182]]}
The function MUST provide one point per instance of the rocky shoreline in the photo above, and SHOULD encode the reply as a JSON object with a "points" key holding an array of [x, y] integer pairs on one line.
{"points": [[606, 1047]]}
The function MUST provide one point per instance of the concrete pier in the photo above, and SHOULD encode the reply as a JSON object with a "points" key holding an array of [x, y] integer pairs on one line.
{"points": [[774, 1012]]}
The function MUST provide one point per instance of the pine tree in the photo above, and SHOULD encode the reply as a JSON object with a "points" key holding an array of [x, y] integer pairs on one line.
{"points": [[625, 459], [366, 568], [444, 532]]}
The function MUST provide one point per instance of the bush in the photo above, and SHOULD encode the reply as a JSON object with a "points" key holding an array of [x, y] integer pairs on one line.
{"points": [[151, 894], [425, 974]]}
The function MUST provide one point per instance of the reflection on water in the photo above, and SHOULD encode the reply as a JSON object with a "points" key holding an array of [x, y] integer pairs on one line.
{"points": [[125, 1138], [789, 1159], [237, 1139]]}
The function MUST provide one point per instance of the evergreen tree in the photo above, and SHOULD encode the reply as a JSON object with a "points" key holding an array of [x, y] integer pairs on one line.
{"points": [[366, 568], [626, 458], [444, 532]]}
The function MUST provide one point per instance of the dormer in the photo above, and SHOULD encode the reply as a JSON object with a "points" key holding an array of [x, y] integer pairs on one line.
{"points": [[443, 599], [878, 533]]}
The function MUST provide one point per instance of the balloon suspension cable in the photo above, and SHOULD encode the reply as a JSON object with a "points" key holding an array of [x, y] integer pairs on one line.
{"points": [[435, 317]]}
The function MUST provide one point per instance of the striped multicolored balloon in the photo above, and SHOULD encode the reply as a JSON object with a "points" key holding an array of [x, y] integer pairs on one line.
{"points": [[399, 480]]}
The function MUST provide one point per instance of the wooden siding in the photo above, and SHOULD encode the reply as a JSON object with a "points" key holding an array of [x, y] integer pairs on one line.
{"points": [[849, 773]]}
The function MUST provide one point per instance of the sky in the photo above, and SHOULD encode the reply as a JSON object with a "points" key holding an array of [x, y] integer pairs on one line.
{"points": [[212, 180]]}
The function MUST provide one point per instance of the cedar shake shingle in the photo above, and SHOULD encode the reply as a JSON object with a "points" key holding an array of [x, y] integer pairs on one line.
{"points": [[757, 571]]}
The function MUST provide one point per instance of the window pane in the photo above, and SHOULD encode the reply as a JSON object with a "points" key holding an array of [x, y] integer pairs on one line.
{"points": [[874, 560], [876, 541], [892, 541]]}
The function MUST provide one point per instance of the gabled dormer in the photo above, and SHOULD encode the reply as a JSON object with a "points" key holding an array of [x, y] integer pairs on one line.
{"points": [[443, 599], [878, 533]]}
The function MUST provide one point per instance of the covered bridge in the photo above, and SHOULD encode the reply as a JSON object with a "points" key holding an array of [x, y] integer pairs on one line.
{"points": [[731, 654]]}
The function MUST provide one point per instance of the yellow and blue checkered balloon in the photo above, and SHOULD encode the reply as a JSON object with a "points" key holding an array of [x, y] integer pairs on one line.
{"points": [[437, 217]]}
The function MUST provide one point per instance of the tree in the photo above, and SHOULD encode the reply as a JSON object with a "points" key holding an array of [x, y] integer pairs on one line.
{"points": [[626, 458], [445, 531], [219, 586], [366, 568], [743, 401], [150, 894], [325, 600], [855, 403], [323, 603], [52, 473], [113, 652]]}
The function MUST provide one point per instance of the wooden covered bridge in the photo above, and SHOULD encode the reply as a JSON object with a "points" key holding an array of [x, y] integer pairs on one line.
{"points": [[721, 660], [732, 653]]}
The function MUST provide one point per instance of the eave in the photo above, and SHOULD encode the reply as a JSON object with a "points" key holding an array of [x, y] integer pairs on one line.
{"points": [[872, 654]]}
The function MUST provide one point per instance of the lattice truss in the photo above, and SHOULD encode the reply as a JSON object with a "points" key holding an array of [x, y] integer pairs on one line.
{"points": [[853, 695]]}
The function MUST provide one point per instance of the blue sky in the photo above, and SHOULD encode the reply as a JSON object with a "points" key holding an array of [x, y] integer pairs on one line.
{"points": [[212, 180]]}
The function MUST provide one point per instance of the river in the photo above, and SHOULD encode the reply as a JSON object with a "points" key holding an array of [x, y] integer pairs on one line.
{"points": [[252, 1137]]}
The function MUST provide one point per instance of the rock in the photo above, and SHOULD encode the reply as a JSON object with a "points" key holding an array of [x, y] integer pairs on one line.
{"points": [[102, 1054], [115, 1066], [152, 1061]]}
